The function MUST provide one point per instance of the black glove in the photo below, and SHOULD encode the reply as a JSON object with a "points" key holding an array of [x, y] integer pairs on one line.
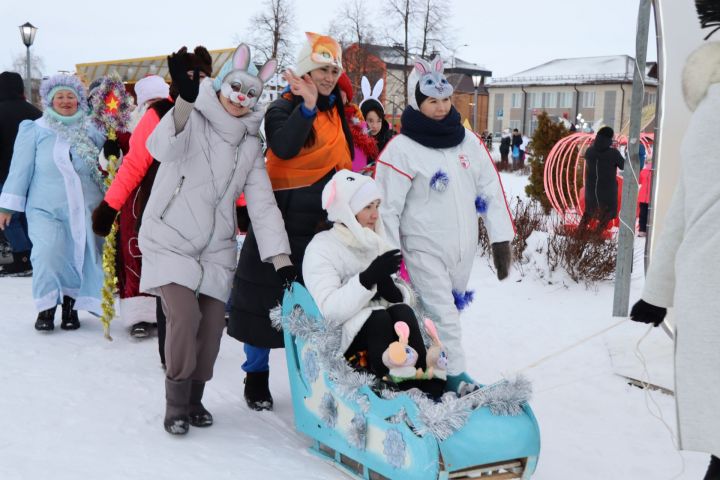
{"points": [[644, 312], [243, 219], [383, 266], [288, 274], [187, 87], [111, 148], [103, 218], [502, 257], [387, 289]]}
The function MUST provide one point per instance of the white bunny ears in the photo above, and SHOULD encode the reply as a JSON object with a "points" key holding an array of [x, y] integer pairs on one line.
{"points": [[373, 94]]}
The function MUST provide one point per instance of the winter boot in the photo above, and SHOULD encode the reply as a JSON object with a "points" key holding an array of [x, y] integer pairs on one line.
{"points": [[70, 319], [20, 266], [140, 330], [177, 395], [713, 472], [199, 416], [257, 392], [45, 320]]}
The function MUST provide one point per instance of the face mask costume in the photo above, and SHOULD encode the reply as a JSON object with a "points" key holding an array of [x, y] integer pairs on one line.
{"points": [[239, 81]]}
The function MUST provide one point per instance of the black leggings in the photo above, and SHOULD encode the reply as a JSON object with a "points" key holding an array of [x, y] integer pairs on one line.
{"points": [[379, 331]]}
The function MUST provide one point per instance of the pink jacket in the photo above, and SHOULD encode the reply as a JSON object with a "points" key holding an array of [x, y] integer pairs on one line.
{"points": [[135, 164], [645, 184]]}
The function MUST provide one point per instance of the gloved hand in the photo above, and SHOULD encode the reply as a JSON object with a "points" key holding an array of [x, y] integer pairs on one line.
{"points": [[502, 258], [103, 218], [288, 274], [383, 266], [187, 87], [644, 312], [243, 219], [111, 148], [387, 289]]}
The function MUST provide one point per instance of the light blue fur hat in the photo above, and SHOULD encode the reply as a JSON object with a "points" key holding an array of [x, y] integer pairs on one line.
{"points": [[50, 86]]}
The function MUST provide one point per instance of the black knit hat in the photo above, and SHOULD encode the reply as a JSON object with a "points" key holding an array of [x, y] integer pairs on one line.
{"points": [[419, 96], [372, 105], [606, 132], [11, 85]]}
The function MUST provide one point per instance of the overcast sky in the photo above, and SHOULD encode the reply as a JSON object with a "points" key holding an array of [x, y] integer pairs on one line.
{"points": [[506, 37]]}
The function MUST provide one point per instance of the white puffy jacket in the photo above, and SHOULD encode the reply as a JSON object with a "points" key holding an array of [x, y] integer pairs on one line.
{"points": [[331, 268]]}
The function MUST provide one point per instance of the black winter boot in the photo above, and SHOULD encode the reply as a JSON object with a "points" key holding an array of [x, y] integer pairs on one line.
{"points": [[257, 392], [70, 319], [45, 320], [199, 416], [177, 396], [713, 472]]}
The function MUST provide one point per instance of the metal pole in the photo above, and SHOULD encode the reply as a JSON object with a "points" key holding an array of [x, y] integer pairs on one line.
{"points": [[626, 236], [28, 79], [475, 111]]}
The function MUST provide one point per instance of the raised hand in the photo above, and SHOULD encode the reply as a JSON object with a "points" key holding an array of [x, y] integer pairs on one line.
{"points": [[188, 86], [302, 87]]}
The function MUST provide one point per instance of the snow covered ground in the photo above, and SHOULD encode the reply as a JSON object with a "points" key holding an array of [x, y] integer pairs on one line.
{"points": [[74, 405]]}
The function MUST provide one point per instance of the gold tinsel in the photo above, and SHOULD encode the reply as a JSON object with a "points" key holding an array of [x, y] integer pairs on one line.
{"points": [[109, 252]]}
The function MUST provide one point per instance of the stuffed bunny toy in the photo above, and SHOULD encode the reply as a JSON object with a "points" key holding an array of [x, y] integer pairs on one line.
{"points": [[400, 357], [373, 94], [238, 80], [437, 359]]}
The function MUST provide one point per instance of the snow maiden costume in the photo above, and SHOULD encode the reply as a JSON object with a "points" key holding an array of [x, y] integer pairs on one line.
{"points": [[207, 158], [55, 179], [435, 178]]}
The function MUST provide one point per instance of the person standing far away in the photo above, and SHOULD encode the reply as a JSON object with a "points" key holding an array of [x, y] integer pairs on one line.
{"points": [[602, 161], [517, 142], [13, 110]]}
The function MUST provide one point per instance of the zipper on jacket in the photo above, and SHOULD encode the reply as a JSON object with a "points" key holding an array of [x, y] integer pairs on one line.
{"points": [[217, 202], [172, 199]]}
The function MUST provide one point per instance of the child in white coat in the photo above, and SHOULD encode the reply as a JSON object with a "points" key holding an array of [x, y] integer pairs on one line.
{"points": [[349, 272]]}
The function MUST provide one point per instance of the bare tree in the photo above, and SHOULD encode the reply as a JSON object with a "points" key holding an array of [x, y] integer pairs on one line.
{"points": [[37, 65], [352, 26], [402, 16], [434, 31], [271, 32]]}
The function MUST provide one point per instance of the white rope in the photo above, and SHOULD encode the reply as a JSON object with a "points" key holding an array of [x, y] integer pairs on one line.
{"points": [[569, 347], [645, 382]]}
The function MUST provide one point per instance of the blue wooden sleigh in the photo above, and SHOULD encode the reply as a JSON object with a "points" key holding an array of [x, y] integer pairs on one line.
{"points": [[487, 446]]}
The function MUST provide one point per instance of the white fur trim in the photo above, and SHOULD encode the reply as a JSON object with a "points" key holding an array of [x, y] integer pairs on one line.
{"points": [[88, 304], [13, 202], [137, 309], [702, 68]]}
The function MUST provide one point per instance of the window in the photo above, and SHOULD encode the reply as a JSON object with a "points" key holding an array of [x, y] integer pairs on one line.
{"points": [[533, 126], [650, 98], [587, 99], [536, 100], [566, 99], [514, 124], [516, 100], [550, 99]]}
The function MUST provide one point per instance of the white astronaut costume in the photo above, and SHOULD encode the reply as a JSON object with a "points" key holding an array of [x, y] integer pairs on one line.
{"points": [[432, 198]]}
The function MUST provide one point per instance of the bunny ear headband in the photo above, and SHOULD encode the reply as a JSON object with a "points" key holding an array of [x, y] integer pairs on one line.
{"points": [[373, 94], [432, 81]]}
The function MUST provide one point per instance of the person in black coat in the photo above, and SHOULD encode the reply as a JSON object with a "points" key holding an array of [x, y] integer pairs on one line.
{"points": [[517, 141], [601, 189], [13, 110], [505, 150], [308, 140]]}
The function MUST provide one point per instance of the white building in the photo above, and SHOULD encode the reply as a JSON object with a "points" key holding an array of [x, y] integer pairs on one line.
{"points": [[598, 88]]}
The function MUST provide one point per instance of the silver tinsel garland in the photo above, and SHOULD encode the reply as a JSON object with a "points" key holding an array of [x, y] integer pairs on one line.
{"points": [[440, 419], [394, 448]]}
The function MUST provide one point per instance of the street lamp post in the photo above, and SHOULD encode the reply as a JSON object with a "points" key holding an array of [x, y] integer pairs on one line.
{"points": [[476, 79], [27, 32]]}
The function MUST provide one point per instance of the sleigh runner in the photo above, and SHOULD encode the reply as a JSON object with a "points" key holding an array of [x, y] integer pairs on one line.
{"points": [[399, 435]]}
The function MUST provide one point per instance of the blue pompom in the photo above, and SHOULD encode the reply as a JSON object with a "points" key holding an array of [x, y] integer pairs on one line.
{"points": [[463, 299], [439, 181], [480, 205]]}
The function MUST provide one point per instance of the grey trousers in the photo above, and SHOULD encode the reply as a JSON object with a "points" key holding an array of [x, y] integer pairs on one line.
{"points": [[193, 332]]}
